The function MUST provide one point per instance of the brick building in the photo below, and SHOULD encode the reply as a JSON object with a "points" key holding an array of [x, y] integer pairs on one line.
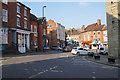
{"points": [[92, 33], [15, 29], [56, 34], [39, 39], [34, 32], [42, 34]]}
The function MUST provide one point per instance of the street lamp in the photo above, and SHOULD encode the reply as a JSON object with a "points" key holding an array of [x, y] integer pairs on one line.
{"points": [[43, 10]]}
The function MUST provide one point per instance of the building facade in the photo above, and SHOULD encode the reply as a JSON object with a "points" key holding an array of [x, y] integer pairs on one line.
{"points": [[42, 34], [15, 29], [113, 23], [56, 33], [94, 34], [34, 33]]}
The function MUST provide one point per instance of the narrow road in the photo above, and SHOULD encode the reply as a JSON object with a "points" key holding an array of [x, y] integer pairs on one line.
{"points": [[63, 65]]}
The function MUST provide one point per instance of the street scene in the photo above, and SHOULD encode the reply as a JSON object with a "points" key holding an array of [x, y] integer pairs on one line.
{"points": [[77, 40]]}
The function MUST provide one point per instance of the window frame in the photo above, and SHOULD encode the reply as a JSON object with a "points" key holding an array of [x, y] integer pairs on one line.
{"points": [[5, 15], [19, 21], [25, 23], [25, 11], [18, 8]]}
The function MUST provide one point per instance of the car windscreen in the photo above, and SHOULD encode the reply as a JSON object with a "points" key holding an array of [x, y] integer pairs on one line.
{"points": [[101, 48], [80, 48], [74, 48]]}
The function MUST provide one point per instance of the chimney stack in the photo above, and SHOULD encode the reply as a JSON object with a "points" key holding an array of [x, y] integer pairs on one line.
{"points": [[98, 22]]}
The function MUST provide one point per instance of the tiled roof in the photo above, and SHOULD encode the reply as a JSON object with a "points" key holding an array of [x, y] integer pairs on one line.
{"points": [[40, 20], [33, 17], [95, 27]]}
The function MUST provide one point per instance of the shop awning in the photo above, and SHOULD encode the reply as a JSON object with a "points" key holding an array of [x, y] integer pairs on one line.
{"points": [[86, 41]]}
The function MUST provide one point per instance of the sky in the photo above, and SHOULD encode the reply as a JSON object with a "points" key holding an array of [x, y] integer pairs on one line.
{"points": [[70, 14]]}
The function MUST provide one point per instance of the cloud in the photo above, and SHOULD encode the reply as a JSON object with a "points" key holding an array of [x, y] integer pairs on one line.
{"points": [[84, 4]]}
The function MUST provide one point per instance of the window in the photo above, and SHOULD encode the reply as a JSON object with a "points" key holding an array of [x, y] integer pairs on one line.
{"points": [[98, 33], [25, 23], [18, 21], [35, 28], [44, 32], [50, 26], [5, 1], [98, 39], [18, 9], [4, 15], [80, 49], [3, 36], [25, 12]]}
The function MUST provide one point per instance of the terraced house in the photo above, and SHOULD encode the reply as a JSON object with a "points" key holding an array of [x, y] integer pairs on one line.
{"points": [[15, 31], [94, 35]]}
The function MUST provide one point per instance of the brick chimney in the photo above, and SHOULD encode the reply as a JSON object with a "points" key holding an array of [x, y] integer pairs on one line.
{"points": [[83, 27], [98, 22]]}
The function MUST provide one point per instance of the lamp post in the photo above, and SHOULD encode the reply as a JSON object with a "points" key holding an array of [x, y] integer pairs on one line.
{"points": [[43, 17], [43, 10]]}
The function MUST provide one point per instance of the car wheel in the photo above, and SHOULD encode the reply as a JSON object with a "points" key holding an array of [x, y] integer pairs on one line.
{"points": [[78, 53]]}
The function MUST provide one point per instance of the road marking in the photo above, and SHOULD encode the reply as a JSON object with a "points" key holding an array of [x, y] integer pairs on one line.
{"points": [[93, 77], [93, 72], [42, 72]]}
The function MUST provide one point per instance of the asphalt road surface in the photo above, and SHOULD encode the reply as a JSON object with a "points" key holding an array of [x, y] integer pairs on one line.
{"points": [[59, 67]]}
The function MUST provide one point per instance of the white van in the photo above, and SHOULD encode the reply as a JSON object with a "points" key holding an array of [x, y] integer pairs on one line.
{"points": [[103, 50]]}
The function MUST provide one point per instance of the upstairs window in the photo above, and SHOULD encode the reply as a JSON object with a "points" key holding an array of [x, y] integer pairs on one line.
{"points": [[18, 21], [18, 9], [25, 23], [5, 1], [50, 26], [35, 28], [25, 12], [4, 15]]}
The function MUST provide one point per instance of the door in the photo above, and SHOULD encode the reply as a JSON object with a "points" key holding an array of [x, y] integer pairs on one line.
{"points": [[21, 43]]}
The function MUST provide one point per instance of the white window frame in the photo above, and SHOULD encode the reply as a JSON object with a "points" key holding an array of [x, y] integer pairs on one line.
{"points": [[25, 11], [6, 15], [5, 1], [17, 21], [25, 24], [35, 28], [18, 8]]}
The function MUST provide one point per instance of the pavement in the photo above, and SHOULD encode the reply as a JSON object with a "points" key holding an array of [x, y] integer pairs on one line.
{"points": [[104, 60], [8, 56]]}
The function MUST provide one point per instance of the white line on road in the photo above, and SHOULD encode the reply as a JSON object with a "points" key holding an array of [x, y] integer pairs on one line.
{"points": [[44, 71]]}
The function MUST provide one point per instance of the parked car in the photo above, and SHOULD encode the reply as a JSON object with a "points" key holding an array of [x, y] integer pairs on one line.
{"points": [[67, 49], [103, 50], [55, 48], [81, 51], [86, 48]]}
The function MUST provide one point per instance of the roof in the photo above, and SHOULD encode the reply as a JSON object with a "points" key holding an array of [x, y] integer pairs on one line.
{"points": [[23, 5], [33, 17], [40, 20], [95, 27]]}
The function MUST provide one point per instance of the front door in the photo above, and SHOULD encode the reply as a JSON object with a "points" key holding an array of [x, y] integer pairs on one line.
{"points": [[21, 43]]}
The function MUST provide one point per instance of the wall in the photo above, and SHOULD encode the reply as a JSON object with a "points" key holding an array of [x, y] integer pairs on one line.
{"points": [[113, 18]]}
